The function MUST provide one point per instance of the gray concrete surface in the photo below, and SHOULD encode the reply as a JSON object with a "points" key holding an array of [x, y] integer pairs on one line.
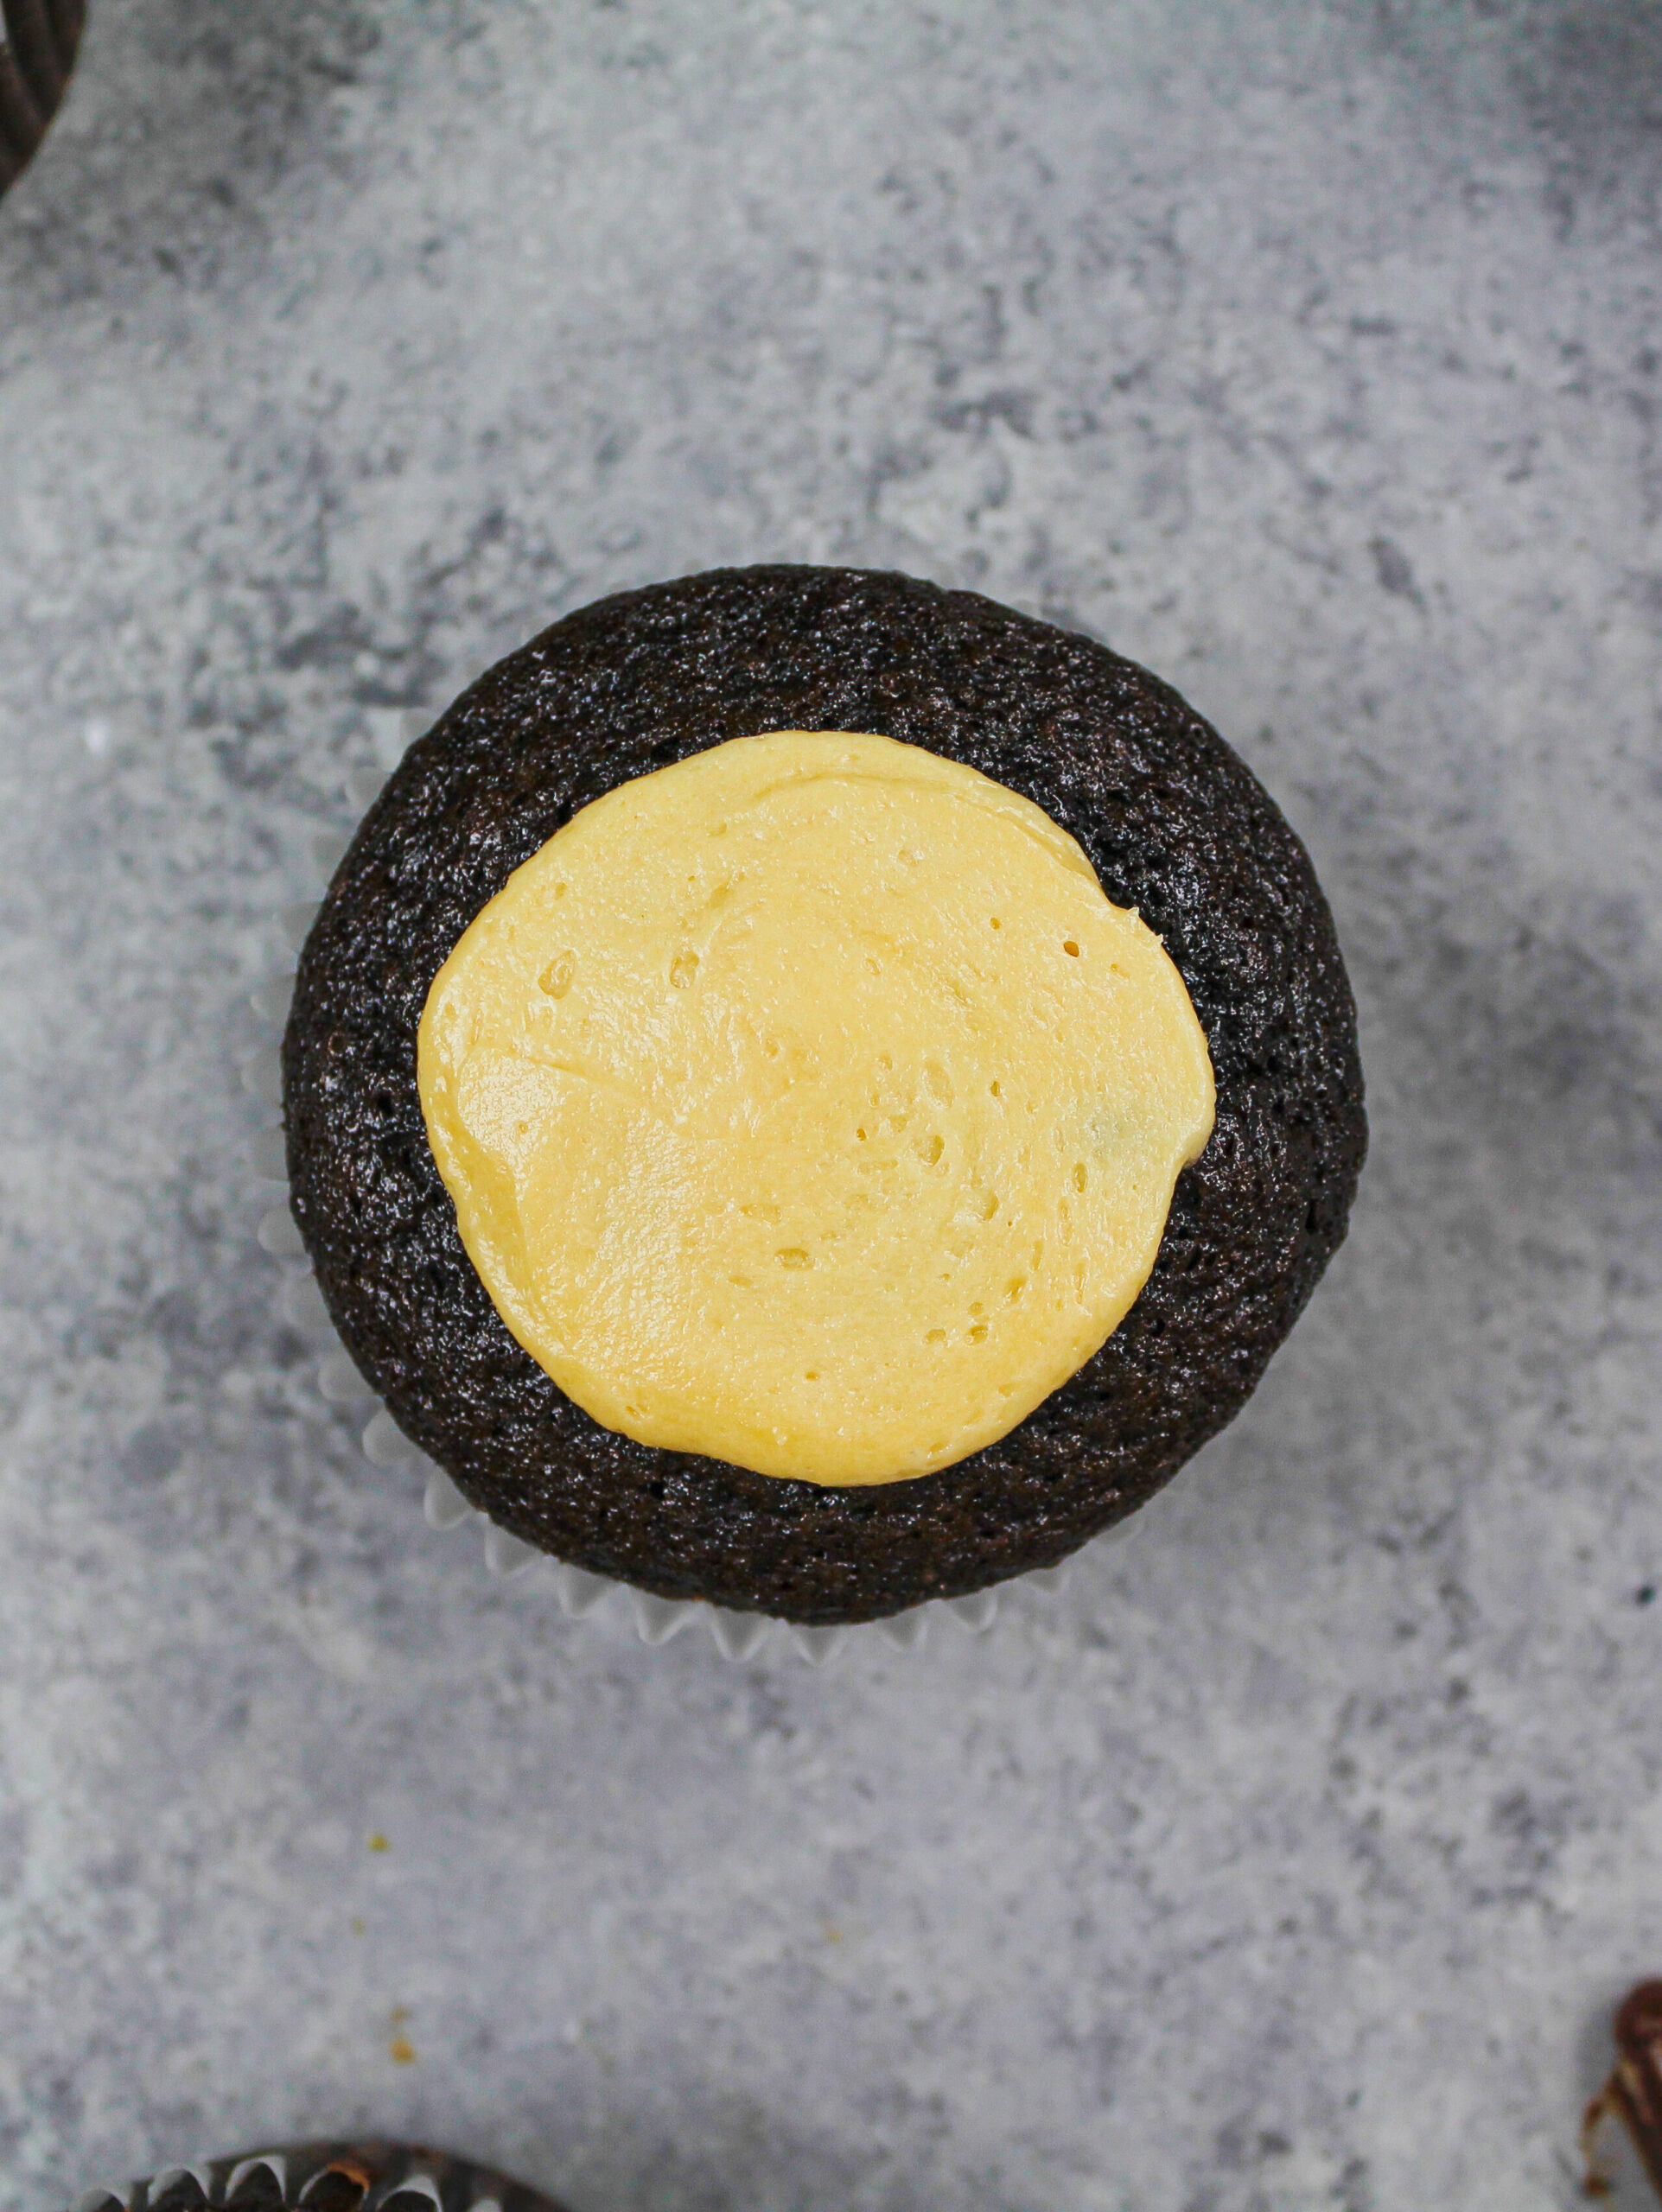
{"points": [[1309, 353]]}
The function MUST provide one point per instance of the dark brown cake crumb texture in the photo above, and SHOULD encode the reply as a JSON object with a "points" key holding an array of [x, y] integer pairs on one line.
{"points": [[1176, 825]]}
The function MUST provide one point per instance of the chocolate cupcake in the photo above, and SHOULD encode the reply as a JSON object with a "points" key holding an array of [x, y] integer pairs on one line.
{"points": [[814, 1093], [38, 44], [371, 2177]]}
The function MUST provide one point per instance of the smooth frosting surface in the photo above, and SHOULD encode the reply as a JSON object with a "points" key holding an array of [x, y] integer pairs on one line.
{"points": [[806, 1104]]}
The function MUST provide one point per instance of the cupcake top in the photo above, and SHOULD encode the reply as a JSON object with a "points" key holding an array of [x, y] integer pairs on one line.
{"points": [[422, 1275], [806, 1105]]}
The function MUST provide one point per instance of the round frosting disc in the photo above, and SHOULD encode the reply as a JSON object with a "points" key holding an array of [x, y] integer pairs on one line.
{"points": [[806, 1105]]}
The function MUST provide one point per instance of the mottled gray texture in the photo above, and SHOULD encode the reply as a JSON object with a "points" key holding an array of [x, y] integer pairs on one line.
{"points": [[1308, 354]]}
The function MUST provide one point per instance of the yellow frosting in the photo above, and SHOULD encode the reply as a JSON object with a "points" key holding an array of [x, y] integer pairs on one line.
{"points": [[807, 1105]]}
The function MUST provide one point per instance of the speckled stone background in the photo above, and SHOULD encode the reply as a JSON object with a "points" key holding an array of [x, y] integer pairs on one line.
{"points": [[1309, 353]]}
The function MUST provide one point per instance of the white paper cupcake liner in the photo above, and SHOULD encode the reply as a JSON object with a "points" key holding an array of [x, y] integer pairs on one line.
{"points": [[381, 2170], [579, 1594]]}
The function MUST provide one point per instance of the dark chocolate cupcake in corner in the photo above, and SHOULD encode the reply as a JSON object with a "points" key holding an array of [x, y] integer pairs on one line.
{"points": [[816, 1093], [39, 40], [360, 2175]]}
